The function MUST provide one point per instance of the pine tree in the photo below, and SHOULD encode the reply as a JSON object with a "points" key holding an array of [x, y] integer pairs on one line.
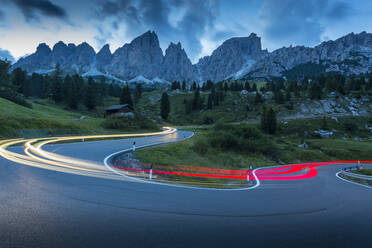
{"points": [[90, 102], [263, 121], [324, 123], [183, 85], [111, 90], [315, 91], [19, 79], [247, 87], [209, 103], [209, 85], [271, 121], [174, 85], [103, 87], [57, 91], [254, 87], [67, 85], [137, 92], [226, 87], [196, 103], [369, 84], [278, 96], [4, 74], [90, 96], [268, 120], [194, 87], [73, 97], [258, 98], [288, 95], [125, 97], [165, 106]]}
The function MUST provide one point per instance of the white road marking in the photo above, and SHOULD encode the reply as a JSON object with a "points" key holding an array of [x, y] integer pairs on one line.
{"points": [[343, 179], [105, 161]]}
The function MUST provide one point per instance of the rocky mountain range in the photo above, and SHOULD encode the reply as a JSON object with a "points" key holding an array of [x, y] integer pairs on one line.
{"points": [[243, 57]]}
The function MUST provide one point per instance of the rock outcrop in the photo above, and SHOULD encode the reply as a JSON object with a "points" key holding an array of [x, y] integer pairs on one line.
{"points": [[347, 55], [143, 56], [233, 56], [176, 65]]}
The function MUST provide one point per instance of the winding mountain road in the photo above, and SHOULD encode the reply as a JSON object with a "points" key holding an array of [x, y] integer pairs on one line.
{"points": [[94, 207]]}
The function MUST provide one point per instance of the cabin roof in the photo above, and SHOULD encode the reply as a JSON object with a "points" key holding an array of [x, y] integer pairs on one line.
{"points": [[118, 107]]}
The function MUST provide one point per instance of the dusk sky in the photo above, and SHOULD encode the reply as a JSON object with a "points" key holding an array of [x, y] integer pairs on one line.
{"points": [[199, 25]]}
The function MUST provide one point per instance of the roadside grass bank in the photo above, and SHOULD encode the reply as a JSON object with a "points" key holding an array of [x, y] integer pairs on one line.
{"points": [[367, 172], [235, 146], [357, 180], [46, 119]]}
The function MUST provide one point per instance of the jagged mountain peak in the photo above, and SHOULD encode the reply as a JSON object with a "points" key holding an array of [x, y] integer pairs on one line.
{"points": [[43, 48], [174, 46], [231, 57], [150, 38], [235, 58], [59, 45], [105, 49], [71, 45]]}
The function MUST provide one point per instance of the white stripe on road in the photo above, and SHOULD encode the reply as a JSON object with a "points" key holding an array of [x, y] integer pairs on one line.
{"points": [[359, 184], [105, 161]]}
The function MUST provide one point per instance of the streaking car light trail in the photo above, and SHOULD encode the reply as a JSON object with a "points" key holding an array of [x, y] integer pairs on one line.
{"points": [[35, 156], [280, 173]]}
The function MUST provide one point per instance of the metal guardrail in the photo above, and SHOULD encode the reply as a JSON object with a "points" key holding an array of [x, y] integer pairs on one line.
{"points": [[346, 172], [359, 176]]}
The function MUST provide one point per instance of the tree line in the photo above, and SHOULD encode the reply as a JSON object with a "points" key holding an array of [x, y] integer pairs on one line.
{"points": [[70, 90]]}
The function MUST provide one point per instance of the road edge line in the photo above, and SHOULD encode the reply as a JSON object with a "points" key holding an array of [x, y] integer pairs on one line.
{"points": [[348, 181], [105, 161]]}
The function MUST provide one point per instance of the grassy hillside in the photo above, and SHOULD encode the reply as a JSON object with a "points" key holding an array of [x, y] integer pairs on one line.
{"points": [[233, 108], [241, 145], [45, 119]]}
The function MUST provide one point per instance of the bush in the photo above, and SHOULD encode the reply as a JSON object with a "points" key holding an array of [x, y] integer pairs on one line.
{"points": [[208, 120], [14, 97], [126, 123], [201, 146], [350, 126], [241, 138], [224, 140]]}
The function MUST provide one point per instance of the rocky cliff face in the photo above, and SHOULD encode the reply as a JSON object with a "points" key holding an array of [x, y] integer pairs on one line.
{"points": [[71, 58], [176, 65], [103, 58], [143, 56], [348, 55], [235, 58], [232, 57]]}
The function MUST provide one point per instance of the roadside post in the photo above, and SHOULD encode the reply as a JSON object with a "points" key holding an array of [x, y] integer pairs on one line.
{"points": [[150, 174]]}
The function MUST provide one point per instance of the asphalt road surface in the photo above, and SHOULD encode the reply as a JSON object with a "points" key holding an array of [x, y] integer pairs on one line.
{"points": [[46, 208]]}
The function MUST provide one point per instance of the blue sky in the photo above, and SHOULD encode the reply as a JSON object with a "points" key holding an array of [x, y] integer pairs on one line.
{"points": [[199, 25]]}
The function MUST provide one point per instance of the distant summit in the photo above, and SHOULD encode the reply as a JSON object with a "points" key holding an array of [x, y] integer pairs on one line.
{"points": [[236, 58]]}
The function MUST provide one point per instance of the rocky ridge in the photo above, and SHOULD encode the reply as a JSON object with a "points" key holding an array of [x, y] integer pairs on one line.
{"points": [[236, 58]]}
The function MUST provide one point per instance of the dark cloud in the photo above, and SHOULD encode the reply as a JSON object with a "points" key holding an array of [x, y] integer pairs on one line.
{"points": [[293, 21], [339, 10], [31, 9], [142, 15]]}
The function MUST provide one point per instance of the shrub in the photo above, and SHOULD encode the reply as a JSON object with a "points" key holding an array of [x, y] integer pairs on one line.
{"points": [[201, 146], [208, 120], [350, 126], [126, 123], [14, 97]]}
